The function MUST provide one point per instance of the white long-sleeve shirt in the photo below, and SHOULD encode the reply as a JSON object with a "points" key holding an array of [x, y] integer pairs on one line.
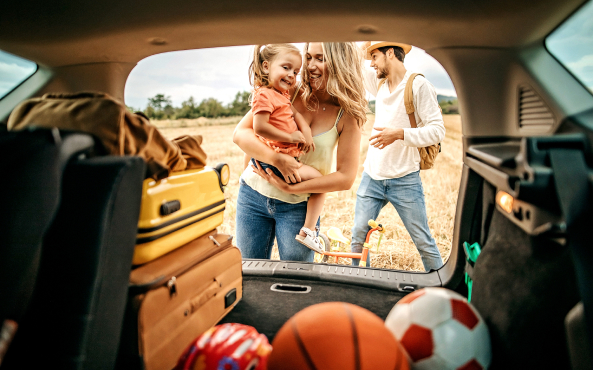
{"points": [[401, 157]]}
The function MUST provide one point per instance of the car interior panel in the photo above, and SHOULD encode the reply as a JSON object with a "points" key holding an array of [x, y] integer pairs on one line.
{"points": [[532, 283]]}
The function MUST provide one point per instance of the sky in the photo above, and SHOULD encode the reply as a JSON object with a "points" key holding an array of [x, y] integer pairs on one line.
{"points": [[13, 70], [572, 44], [222, 72]]}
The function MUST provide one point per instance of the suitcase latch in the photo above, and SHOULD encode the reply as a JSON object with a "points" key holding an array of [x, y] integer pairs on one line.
{"points": [[214, 240], [171, 284]]}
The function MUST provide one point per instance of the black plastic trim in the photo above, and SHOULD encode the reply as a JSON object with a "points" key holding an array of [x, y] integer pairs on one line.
{"points": [[180, 218], [230, 298], [155, 237], [452, 273], [170, 207], [498, 178], [218, 170], [290, 288], [390, 280]]}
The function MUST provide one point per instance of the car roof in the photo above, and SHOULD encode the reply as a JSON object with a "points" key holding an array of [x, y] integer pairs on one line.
{"points": [[78, 32]]}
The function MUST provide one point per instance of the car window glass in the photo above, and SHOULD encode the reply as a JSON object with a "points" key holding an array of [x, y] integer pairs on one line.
{"points": [[572, 45], [13, 71]]}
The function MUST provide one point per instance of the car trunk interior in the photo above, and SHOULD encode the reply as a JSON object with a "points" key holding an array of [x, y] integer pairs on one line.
{"points": [[524, 281], [267, 309]]}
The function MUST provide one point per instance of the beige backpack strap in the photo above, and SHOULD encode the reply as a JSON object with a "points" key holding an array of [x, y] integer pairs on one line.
{"points": [[381, 83], [409, 99]]}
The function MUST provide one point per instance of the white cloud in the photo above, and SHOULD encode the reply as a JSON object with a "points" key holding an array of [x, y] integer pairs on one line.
{"points": [[583, 69], [222, 72], [219, 73], [419, 61], [12, 74]]}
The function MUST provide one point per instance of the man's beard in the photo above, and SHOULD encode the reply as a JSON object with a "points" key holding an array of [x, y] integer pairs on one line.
{"points": [[381, 73]]}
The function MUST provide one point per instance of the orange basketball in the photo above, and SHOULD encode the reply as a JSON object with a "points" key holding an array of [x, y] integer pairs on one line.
{"points": [[336, 335]]}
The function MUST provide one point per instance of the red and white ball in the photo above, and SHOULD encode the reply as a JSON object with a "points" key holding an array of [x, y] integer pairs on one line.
{"points": [[440, 330]]}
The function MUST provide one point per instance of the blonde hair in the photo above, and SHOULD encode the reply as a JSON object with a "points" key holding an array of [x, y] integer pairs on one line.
{"points": [[344, 79], [269, 52]]}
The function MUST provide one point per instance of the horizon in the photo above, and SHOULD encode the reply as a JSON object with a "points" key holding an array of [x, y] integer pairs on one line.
{"points": [[221, 73]]}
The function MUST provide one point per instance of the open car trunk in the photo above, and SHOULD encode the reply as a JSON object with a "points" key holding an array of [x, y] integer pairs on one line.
{"points": [[273, 291]]}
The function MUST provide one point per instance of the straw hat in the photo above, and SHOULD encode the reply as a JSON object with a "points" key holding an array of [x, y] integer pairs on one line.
{"points": [[379, 44]]}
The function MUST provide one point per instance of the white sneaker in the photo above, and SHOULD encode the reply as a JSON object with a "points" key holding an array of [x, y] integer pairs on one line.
{"points": [[310, 241]]}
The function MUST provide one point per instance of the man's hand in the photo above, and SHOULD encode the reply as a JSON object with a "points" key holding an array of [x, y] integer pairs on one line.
{"points": [[386, 136]]}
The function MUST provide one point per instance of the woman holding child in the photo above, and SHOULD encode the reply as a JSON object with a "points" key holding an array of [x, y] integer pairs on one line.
{"points": [[297, 141]]}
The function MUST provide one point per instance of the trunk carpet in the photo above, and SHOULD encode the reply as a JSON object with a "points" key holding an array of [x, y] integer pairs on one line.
{"points": [[267, 310]]}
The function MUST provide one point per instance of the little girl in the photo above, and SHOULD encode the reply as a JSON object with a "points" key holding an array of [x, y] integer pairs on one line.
{"points": [[276, 123]]}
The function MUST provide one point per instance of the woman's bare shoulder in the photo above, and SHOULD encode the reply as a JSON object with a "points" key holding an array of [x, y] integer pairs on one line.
{"points": [[347, 123]]}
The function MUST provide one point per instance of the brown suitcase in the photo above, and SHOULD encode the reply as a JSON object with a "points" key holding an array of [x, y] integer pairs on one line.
{"points": [[177, 297]]}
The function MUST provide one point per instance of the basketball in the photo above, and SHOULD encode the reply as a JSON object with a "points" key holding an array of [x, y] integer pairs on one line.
{"points": [[336, 335]]}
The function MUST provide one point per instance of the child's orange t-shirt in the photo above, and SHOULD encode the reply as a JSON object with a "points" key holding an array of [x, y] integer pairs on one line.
{"points": [[278, 105]]}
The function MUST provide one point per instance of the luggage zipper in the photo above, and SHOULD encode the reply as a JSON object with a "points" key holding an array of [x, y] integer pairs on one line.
{"points": [[171, 282], [205, 256]]}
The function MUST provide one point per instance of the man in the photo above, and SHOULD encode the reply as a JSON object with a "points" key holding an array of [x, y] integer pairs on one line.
{"points": [[392, 166]]}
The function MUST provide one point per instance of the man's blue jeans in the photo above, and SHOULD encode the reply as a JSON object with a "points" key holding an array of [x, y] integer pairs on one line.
{"points": [[407, 196], [260, 220]]}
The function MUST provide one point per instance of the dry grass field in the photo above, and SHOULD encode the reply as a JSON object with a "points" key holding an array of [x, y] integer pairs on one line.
{"points": [[397, 251]]}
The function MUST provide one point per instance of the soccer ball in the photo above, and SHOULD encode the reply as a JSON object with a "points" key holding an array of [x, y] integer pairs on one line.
{"points": [[439, 329]]}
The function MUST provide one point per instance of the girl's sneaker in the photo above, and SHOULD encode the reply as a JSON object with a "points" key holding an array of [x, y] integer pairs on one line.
{"points": [[310, 241]]}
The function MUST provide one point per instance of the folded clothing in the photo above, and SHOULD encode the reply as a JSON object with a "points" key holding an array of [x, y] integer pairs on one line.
{"points": [[119, 131]]}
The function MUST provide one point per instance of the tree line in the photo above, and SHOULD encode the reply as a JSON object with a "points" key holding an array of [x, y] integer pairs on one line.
{"points": [[449, 105], [161, 107]]}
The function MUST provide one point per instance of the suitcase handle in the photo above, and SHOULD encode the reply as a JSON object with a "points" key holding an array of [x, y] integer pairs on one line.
{"points": [[206, 295]]}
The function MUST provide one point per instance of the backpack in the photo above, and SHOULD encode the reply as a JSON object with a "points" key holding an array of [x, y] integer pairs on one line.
{"points": [[427, 154]]}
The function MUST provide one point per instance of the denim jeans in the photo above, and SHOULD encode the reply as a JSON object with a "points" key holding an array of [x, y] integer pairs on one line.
{"points": [[261, 219], [407, 196]]}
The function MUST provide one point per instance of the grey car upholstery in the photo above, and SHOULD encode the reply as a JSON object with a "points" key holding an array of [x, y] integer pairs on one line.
{"points": [[76, 312], [31, 164]]}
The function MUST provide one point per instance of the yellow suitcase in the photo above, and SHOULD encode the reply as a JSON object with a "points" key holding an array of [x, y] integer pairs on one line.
{"points": [[179, 209]]}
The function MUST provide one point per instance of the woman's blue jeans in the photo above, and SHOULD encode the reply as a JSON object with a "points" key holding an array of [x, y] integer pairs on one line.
{"points": [[261, 219], [407, 196]]}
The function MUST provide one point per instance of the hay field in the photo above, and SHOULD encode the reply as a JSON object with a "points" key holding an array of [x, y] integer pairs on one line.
{"points": [[196, 122], [397, 251]]}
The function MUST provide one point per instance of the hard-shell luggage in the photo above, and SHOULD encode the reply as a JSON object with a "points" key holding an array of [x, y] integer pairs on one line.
{"points": [[176, 210], [177, 297]]}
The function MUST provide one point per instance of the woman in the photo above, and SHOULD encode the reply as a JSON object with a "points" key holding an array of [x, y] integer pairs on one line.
{"points": [[332, 98]]}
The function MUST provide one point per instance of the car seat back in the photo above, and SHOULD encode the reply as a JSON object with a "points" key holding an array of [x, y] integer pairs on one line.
{"points": [[76, 312], [31, 164]]}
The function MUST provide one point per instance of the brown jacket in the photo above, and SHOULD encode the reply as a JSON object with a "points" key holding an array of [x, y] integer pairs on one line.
{"points": [[119, 131]]}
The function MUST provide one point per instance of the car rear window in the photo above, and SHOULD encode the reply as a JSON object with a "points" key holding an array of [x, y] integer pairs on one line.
{"points": [[13, 71], [572, 45]]}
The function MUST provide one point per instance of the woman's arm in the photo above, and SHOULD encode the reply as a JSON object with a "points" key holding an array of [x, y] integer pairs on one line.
{"points": [[346, 169], [245, 138]]}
